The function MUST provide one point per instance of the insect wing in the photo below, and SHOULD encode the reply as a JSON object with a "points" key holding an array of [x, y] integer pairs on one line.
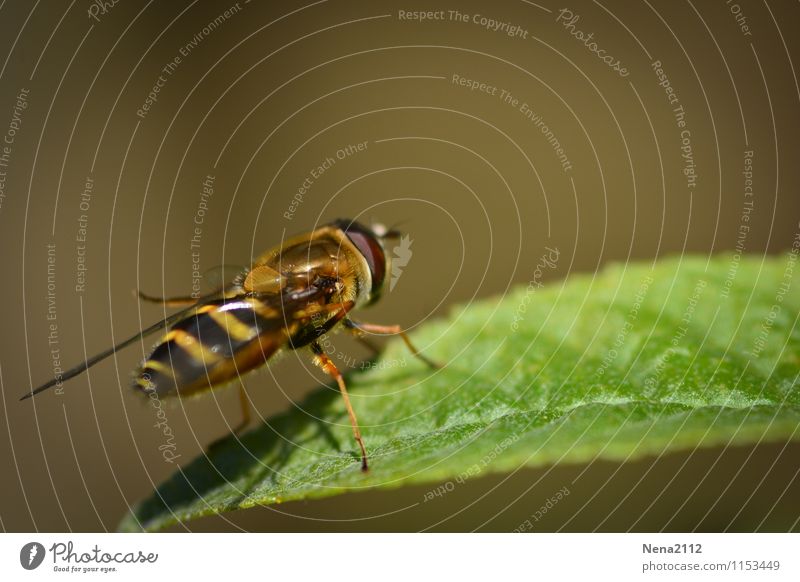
{"points": [[219, 277]]}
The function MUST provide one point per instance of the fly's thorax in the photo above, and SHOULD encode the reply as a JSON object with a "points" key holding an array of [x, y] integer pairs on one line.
{"points": [[344, 250], [319, 256], [324, 257]]}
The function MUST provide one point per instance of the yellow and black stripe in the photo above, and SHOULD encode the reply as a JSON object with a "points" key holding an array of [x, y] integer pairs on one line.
{"points": [[212, 345]]}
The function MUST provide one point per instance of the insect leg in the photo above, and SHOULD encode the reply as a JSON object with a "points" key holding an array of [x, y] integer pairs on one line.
{"points": [[360, 327], [168, 301], [236, 430], [330, 368], [245, 404]]}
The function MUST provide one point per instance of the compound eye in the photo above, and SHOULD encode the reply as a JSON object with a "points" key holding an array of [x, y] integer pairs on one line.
{"points": [[369, 246]]}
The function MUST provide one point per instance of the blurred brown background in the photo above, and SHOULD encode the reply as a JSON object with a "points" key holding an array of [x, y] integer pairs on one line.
{"points": [[262, 96]]}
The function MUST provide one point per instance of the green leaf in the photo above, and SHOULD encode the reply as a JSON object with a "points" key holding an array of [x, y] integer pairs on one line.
{"points": [[640, 359]]}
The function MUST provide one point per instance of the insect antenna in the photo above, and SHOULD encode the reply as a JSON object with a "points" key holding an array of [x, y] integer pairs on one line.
{"points": [[391, 232], [80, 368]]}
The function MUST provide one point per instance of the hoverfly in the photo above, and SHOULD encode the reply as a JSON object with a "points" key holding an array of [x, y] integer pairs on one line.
{"points": [[290, 296]]}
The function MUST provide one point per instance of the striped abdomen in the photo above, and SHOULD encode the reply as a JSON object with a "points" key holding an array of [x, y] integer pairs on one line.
{"points": [[211, 346]]}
